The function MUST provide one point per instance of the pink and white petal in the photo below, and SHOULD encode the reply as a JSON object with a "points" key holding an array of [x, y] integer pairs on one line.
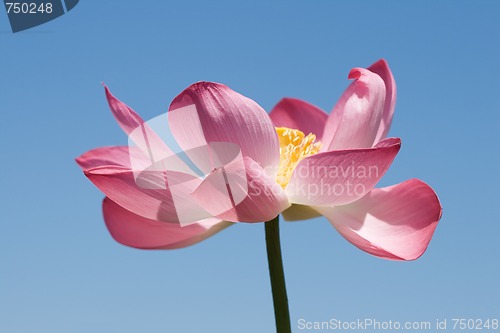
{"points": [[208, 112], [382, 69], [355, 119], [395, 222], [163, 196], [298, 114], [241, 192], [299, 213], [340, 177], [136, 231]]}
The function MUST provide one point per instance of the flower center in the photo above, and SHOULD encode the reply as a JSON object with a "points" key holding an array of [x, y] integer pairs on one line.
{"points": [[294, 147]]}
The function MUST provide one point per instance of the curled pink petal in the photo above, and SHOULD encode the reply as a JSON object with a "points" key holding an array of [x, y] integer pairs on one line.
{"points": [[340, 177], [395, 222], [241, 192], [298, 114], [355, 119], [141, 187], [382, 69], [208, 112], [120, 156], [151, 195], [136, 231], [115, 155]]}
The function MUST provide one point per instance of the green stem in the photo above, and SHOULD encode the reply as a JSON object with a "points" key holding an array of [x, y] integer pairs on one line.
{"points": [[277, 275]]}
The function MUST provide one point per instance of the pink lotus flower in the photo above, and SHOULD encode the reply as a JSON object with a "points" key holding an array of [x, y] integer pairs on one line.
{"points": [[297, 161]]}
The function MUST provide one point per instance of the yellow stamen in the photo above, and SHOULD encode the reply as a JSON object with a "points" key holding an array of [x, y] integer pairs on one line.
{"points": [[294, 147]]}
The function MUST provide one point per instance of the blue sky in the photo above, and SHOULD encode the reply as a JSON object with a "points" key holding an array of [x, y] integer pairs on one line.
{"points": [[60, 271]]}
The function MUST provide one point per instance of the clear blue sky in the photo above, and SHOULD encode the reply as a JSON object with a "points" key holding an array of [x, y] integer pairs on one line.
{"points": [[60, 271]]}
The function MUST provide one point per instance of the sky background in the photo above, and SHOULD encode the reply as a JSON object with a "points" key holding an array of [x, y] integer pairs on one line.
{"points": [[61, 272]]}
